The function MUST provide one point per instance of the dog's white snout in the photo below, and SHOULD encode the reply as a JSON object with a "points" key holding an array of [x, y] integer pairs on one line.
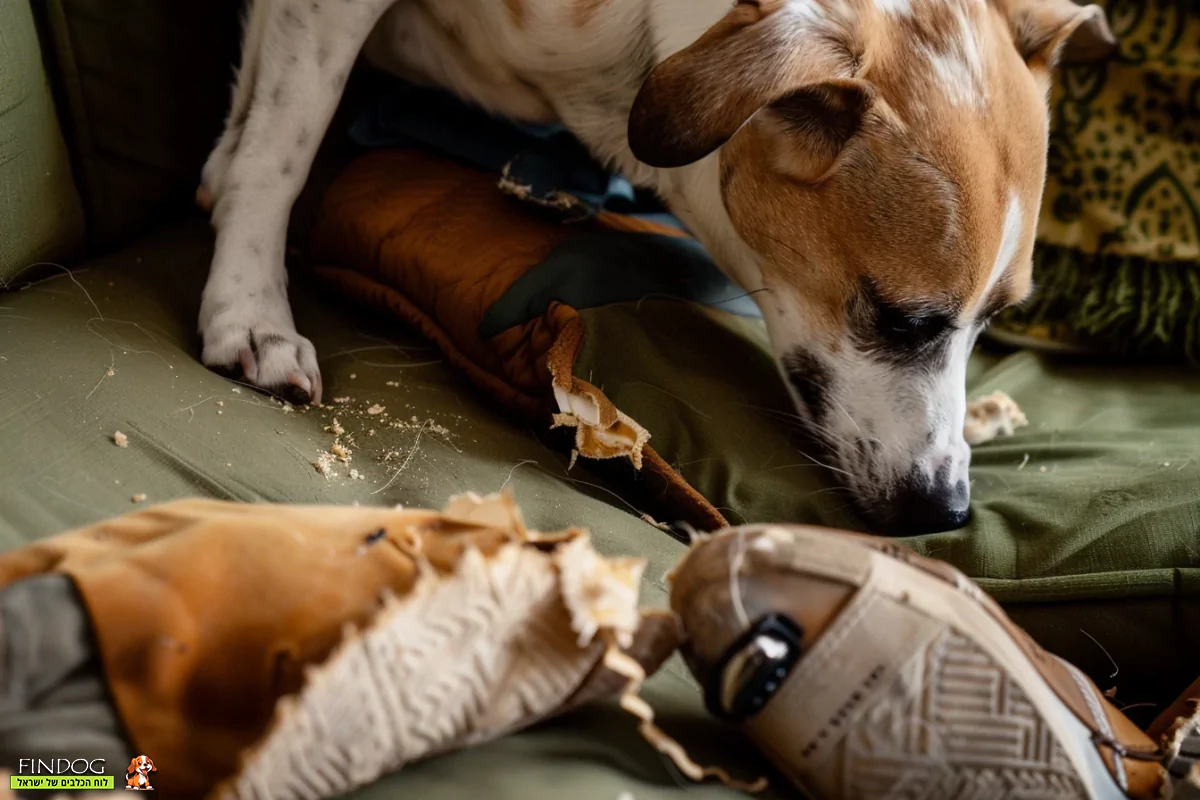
{"points": [[894, 427], [946, 465]]}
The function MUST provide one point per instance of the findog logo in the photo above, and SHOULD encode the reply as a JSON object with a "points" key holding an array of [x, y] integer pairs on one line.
{"points": [[137, 776], [60, 774]]}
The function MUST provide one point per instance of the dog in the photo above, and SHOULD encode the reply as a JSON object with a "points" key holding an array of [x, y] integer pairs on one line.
{"points": [[871, 170], [137, 774]]}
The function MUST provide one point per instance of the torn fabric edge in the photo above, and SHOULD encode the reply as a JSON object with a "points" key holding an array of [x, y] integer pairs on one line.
{"points": [[602, 431], [632, 702]]}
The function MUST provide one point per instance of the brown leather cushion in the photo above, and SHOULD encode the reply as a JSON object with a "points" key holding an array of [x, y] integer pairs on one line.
{"points": [[436, 244]]}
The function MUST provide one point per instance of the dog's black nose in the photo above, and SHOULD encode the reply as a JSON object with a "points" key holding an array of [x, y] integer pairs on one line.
{"points": [[922, 507]]}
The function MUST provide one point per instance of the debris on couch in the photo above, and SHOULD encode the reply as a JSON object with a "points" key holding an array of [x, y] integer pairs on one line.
{"points": [[991, 417], [601, 429], [480, 294]]}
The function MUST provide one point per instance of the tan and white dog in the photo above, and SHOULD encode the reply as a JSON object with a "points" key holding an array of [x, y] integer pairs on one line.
{"points": [[871, 169], [137, 774]]}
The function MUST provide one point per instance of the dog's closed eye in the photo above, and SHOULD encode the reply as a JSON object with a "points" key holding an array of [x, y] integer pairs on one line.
{"points": [[899, 329], [896, 332], [992, 309]]}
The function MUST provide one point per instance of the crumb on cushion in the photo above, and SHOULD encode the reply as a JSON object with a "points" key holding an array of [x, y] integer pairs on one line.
{"points": [[992, 416]]}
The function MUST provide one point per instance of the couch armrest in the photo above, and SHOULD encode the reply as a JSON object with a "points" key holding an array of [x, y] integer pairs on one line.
{"points": [[41, 218]]}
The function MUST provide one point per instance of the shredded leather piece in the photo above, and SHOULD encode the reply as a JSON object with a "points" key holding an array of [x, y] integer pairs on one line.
{"points": [[632, 671], [622, 437], [991, 417], [458, 660], [504, 641], [1178, 744], [601, 429], [498, 510], [600, 593]]}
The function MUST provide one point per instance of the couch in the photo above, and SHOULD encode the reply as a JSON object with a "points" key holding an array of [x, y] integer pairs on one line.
{"points": [[107, 111]]}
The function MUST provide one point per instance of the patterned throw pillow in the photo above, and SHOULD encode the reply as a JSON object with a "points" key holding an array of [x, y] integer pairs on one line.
{"points": [[1118, 264]]}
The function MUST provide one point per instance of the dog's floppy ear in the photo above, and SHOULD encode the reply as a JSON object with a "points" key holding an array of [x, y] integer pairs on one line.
{"points": [[151, 763], [1047, 31], [132, 766], [808, 128], [760, 52]]}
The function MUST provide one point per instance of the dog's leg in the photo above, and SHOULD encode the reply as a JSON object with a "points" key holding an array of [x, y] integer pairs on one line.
{"points": [[300, 53], [239, 109]]}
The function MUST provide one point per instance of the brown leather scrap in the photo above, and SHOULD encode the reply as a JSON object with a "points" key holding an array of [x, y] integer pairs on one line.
{"points": [[207, 614], [436, 245], [601, 429]]}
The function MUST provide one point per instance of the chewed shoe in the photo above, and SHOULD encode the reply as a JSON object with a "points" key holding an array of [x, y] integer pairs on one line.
{"points": [[864, 671]]}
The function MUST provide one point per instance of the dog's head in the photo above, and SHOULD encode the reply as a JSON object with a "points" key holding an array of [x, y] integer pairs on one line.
{"points": [[881, 166], [141, 765]]}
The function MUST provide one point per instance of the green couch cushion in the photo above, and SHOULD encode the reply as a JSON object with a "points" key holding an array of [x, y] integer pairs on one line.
{"points": [[112, 346], [1099, 498], [1086, 524], [133, 312], [40, 216], [193, 433]]}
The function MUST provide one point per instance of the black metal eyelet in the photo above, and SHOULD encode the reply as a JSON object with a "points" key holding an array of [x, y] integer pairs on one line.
{"points": [[753, 668]]}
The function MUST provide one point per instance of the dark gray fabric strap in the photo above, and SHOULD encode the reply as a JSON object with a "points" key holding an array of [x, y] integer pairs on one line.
{"points": [[53, 699]]}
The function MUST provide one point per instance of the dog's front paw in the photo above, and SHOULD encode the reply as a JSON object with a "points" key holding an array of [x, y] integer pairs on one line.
{"points": [[274, 358]]}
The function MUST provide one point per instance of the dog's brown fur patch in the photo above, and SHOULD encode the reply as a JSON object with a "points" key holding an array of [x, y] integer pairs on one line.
{"points": [[583, 11], [516, 11]]}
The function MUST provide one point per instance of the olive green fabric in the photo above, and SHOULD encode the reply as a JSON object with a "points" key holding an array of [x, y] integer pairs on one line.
{"points": [[112, 347], [720, 409], [40, 215], [1086, 524], [191, 432], [1099, 498]]}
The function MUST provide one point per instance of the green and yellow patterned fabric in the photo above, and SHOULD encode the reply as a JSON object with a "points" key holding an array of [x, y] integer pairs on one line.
{"points": [[1118, 263]]}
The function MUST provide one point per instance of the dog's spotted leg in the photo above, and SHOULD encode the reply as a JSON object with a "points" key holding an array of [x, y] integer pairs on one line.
{"points": [[299, 54], [239, 110]]}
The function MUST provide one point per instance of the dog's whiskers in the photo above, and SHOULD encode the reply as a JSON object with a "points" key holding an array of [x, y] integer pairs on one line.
{"points": [[842, 408], [815, 461]]}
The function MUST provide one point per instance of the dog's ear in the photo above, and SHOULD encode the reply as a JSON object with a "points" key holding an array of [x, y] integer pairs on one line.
{"points": [[1047, 31], [762, 51], [152, 767], [808, 128], [132, 766]]}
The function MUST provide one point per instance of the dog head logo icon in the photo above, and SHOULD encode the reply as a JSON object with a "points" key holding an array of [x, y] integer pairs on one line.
{"points": [[137, 776]]}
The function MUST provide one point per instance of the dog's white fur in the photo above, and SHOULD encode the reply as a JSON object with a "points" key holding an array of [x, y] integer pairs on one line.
{"points": [[583, 62]]}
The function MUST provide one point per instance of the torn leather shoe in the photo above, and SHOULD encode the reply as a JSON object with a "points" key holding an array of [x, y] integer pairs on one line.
{"points": [[302, 651], [864, 671]]}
